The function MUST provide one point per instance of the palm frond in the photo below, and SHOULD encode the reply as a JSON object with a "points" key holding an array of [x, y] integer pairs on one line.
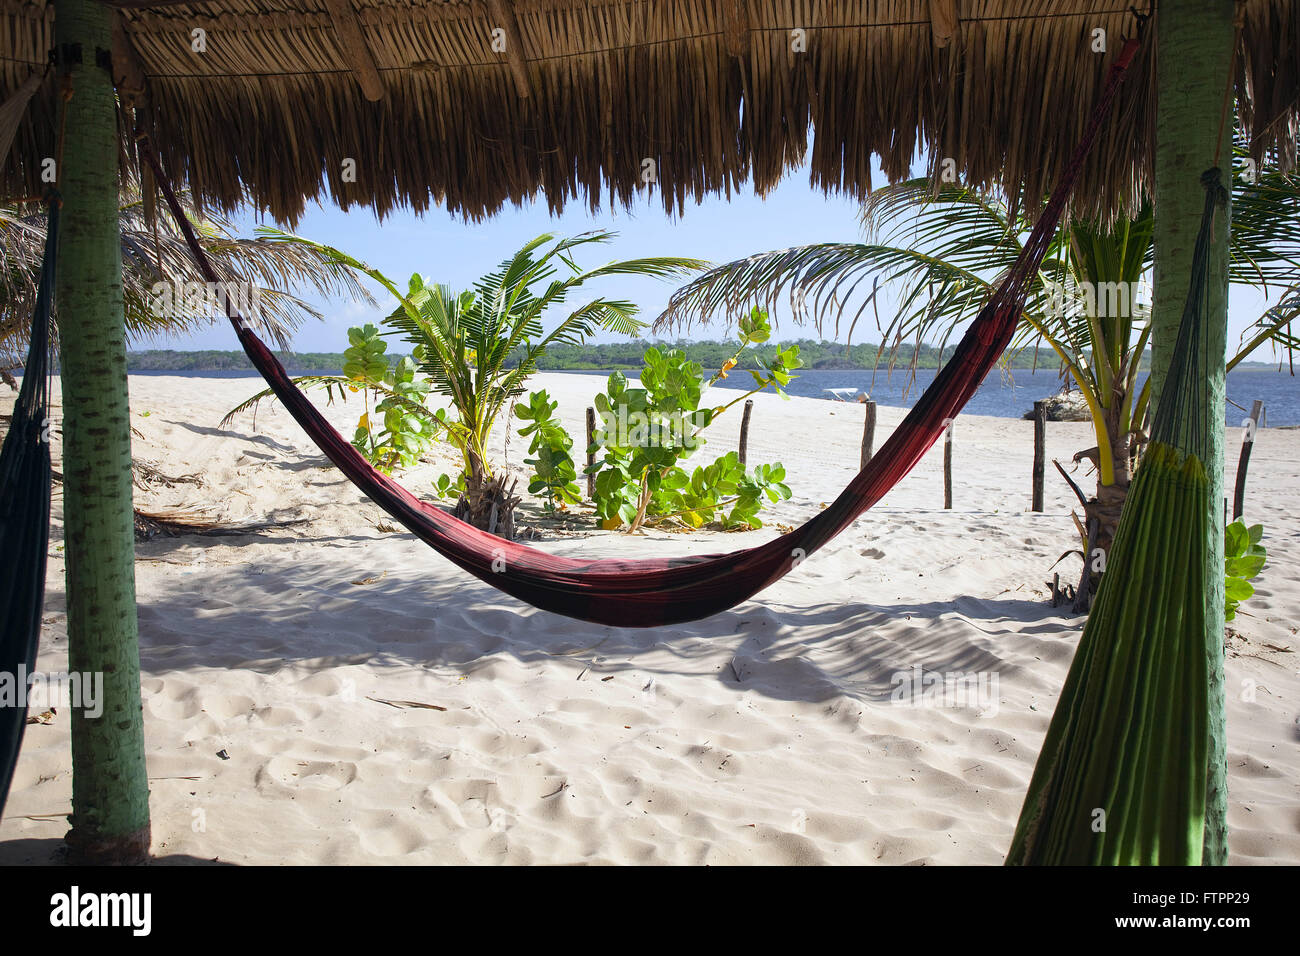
{"points": [[949, 246], [1265, 243], [271, 266], [1273, 326], [331, 382]]}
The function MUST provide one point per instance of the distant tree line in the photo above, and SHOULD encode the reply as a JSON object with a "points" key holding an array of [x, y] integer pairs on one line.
{"points": [[210, 360], [711, 355], [591, 356]]}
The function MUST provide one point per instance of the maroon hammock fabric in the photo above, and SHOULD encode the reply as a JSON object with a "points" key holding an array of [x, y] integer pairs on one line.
{"points": [[649, 592]]}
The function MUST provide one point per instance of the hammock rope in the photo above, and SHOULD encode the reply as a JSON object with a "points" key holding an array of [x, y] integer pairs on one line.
{"points": [[655, 592]]}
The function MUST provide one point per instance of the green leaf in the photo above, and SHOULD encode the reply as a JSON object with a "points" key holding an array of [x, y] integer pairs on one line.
{"points": [[1236, 539], [1245, 566], [1238, 589]]}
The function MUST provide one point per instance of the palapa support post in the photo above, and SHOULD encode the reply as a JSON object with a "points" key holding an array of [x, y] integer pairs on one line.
{"points": [[502, 13], [735, 21], [1040, 454], [110, 787], [744, 430], [1250, 427], [944, 21], [947, 467], [868, 435], [591, 452], [355, 50]]}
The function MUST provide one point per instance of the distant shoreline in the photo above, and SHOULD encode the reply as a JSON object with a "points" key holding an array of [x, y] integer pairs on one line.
{"points": [[826, 356], [1003, 394]]}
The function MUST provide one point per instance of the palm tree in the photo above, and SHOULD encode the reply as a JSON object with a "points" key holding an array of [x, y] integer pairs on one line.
{"points": [[478, 347], [946, 250], [154, 253]]}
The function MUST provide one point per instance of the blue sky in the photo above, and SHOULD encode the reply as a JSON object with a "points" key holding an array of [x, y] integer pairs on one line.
{"points": [[445, 249]]}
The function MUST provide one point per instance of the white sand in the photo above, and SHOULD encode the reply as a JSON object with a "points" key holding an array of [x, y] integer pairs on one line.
{"points": [[762, 735]]}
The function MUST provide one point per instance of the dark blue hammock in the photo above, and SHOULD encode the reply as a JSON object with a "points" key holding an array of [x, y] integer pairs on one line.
{"points": [[25, 517]]}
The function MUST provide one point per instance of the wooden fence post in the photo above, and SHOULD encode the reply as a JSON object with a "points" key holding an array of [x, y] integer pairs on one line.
{"points": [[947, 466], [744, 429], [1249, 427], [868, 434], [591, 455], [1040, 453]]}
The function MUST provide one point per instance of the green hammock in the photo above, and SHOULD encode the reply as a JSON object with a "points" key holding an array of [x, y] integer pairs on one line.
{"points": [[1122, 776], [25, 515]]}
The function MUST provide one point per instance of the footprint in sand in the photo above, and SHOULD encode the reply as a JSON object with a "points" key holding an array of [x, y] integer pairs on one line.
{"points": [[226, 706], [320, 685], [381, 833], [174, 700], [286, 716], [308, 774], [465, 804]]}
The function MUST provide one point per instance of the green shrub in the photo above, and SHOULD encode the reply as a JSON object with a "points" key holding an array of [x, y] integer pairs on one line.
{"points": [[392, 436], [647, 432], [554, 473], [461, 341], [1243, 559]]}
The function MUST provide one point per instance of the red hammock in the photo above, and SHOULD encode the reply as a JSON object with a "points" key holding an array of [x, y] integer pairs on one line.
{"points": [[657, 591]]}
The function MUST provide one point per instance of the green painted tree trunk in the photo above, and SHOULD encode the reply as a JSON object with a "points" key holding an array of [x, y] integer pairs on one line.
{"points": [[1193, 55], [110, 789]]}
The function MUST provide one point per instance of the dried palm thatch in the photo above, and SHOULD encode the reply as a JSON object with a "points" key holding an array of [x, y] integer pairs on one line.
{"points": [[573, 97]]}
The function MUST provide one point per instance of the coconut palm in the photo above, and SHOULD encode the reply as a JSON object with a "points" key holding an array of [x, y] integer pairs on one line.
{"points": [[945, 250], [154, 252], [478, 347]]}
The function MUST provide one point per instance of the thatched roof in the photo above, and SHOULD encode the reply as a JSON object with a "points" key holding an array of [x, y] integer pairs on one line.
{"points": [[586, 91]]}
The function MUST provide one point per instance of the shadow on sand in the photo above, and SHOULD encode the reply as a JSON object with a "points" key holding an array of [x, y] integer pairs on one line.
{"points": [[333, 613], [52, 851]]}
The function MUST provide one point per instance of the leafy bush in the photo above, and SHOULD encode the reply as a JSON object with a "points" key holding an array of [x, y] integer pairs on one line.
{"points": [[445, 486], [704, 497], [392, 436], [646, 432], [1243, 558], [462, 340], [554, 473]]}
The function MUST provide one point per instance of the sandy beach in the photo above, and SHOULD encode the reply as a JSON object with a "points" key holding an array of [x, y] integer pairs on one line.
{"points": [[330, 690]]}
